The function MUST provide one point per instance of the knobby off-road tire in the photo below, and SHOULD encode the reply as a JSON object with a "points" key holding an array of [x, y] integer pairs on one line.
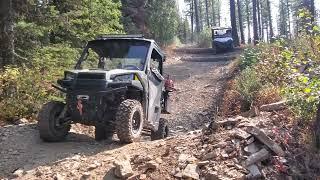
{"points": [[129, 121], [47, 122], [162, 131]]}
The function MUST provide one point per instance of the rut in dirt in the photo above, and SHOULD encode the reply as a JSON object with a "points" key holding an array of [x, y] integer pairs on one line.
{"points": [[199, 85], [200, 76]]}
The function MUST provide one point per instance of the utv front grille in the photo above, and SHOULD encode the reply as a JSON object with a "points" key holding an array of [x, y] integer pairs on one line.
{"points": [[91, 76]]}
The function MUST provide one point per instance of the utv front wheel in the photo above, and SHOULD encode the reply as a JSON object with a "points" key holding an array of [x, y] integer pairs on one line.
{"points": [[129, 119], [51, 128], [162, 132]]}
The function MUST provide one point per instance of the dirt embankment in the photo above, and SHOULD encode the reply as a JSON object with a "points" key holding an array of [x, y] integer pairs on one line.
{"points": [[199, 87]]}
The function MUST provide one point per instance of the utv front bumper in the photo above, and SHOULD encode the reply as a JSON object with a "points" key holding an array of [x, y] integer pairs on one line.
{"points": [[90, 107]]}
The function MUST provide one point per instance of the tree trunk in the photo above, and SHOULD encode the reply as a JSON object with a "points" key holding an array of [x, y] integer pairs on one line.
{"points": [[219, 15], [270, 21], [240, 22], [200, 15], [289, 23], [259, 19], [255, 22], [248, 21], [196, 13], [234, 23], [207, 13], [313, 11], [6, 33], [191, 19], [213, 21]]}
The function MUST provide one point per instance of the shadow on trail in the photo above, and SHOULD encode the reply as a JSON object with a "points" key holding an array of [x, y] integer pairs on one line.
{"points": [[21, 147], [182, 71]]}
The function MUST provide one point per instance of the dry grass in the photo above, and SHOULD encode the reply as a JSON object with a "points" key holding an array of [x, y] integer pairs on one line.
{"points": [[267, 95], [232, 101]]}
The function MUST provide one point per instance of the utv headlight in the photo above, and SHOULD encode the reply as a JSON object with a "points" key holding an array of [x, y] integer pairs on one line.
{"points": [[124, 78], [69, 76]]}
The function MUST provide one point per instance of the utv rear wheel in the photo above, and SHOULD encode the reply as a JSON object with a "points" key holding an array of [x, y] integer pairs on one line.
{"points": [[162, 132], [129, 119], [51, 128]]}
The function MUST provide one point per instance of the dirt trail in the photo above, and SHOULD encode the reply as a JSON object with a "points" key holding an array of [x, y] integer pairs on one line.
{"points": [[199, 86]]}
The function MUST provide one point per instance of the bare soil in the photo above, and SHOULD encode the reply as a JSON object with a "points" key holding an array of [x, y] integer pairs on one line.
{"points": [[199, 84]]}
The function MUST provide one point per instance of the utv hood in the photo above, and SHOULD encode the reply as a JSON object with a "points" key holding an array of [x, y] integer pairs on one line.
{"points": [[101, 74]]}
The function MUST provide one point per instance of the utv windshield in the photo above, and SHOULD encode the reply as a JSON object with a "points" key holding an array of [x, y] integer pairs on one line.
{"points": [[222, 33], [114, 54]]}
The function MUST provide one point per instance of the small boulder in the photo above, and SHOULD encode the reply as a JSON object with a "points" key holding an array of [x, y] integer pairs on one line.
{"points": [[254, 172], [212, 175], [210, 155], [123, 168], [85, 176], [259, 156], [137, 159], [191, 172], [262, 137], [240, 134], [19, 173], [149, 166], [203, 163], [58, 176], [251, 148]]}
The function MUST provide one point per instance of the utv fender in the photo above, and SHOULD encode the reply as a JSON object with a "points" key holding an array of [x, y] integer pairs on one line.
{"points": [[137, 84]]}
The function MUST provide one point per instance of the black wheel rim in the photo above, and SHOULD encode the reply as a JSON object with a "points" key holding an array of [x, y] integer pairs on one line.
{"points": [[136, 121]]}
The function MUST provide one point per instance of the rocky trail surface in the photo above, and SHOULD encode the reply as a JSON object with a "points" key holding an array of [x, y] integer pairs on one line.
{"points": [[193, 150]]}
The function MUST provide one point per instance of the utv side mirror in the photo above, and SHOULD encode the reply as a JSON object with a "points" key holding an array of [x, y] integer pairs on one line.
{"points": [[164, 58]]}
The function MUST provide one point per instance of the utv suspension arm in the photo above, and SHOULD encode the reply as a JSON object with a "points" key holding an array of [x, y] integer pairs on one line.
{"points": [[59, 88]]}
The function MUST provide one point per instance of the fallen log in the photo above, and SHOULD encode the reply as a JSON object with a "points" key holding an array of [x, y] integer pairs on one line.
{"points": [[273, 106]]}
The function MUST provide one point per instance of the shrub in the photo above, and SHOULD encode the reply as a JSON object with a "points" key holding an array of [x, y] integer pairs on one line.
{"points": [[23, 90], [205, 38], [248, 85], [249, 58]]}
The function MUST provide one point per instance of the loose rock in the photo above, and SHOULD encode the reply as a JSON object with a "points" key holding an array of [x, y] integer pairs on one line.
{"points": [[262, 155], [261, 136], [212, 175], [251, 148], [123, 168], [240, 134], [18, 172], [151, 166], [254, 172], [191, 172]]}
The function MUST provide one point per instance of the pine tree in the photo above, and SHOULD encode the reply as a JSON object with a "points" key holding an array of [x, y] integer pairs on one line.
{"points": [[6, 33], [240, 22], [271, 34], [207, 13], [248, 13], [255, 22], [234, 23], [196, 13]]}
